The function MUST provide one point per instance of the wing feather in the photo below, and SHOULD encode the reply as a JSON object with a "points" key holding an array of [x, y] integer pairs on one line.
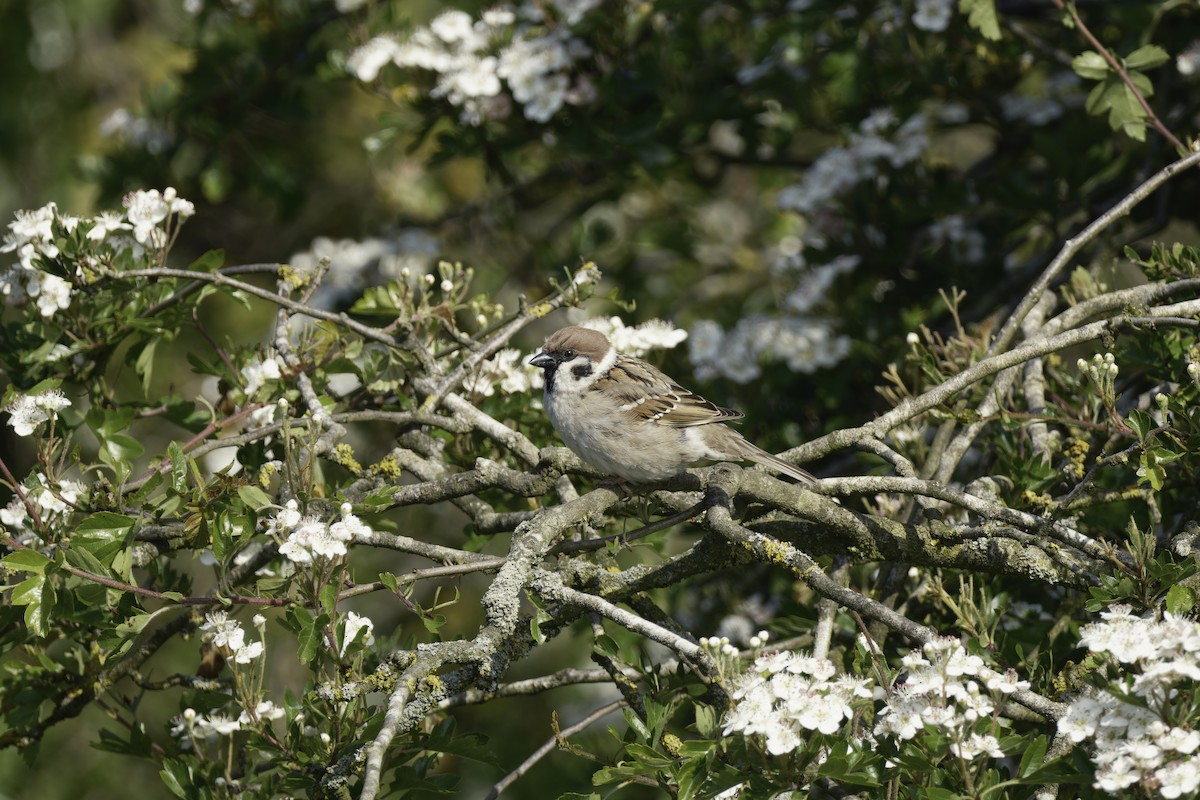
{"points": [[648, 395]]}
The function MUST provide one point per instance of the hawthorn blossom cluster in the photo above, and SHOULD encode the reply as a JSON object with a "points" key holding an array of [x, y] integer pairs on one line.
{"points": [[946, 692], [228, 636], [785, 694], [878, 141], [474, 59], [805, 344], [637, 340], [949, 692], [308, 537], [508, 371], [52, 502], [1141, 727], [354, 264], [148, 222], [191, 727], [27, 412], [32, 237]]}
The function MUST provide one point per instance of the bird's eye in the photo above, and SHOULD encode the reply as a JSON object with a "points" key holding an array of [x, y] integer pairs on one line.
{"points": [[569, 353]]}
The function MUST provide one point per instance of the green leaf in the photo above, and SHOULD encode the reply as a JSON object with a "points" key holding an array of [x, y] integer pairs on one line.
{"points": [[1035, 753], [389, 581], [122, 447], [211, 261], [1141, 423], [178, 778], [649, 756], [1125, 113], [37, 596], [1147, 57], [938, 793], [312, 636], [1181, 599], [144, 365], [106, 524], [178, 467], [328, 598], [28, 591], [27, 560], [981, 15], [708, 722], [81, 555], [254, 497], [605, 645], [1091, 65]]}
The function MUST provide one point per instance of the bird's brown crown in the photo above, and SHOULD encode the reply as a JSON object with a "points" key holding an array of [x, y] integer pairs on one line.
{"points": [[583, 341]]}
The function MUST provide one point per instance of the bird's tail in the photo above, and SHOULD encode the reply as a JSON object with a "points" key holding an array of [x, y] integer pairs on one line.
{"points": [[778, 464]]}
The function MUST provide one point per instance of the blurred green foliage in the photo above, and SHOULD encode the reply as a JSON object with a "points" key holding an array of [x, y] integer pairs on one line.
{"points": [[704, 116]]}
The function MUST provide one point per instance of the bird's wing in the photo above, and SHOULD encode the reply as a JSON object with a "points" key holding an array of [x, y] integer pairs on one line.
{"points": [[648, 395]]}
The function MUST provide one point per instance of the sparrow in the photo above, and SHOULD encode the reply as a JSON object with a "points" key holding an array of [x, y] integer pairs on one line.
{"points": [[627, 418]]}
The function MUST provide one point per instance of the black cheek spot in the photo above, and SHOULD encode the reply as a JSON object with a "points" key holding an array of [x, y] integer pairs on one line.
{"points": [[581, 371]]}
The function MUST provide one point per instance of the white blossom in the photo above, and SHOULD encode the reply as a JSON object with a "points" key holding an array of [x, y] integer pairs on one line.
{"points": [[932, 15], [784, 694], [637, 340], [264, 710], [366, 62], [145, 210], [52, 293], [26, 412], [1188, 60], [508, 371], [107, 222], [259, 371], [222, 631], [357, 625]]}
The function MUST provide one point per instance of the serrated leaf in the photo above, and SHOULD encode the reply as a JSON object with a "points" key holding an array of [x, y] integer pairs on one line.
{"points": [[1035, 753], [81, 555], [211, 261], [312, 637], [1141, 423], [178, 467], [1147, 57], [649, 756], [981, 15], [177, 777], [122, 447], [27, 560], [37, 595], [106, 524], [144, 364], [605, 645], [389, 581], [1181, 599], [254, 497], [28, 591], [328, 598], [1091, 65]]}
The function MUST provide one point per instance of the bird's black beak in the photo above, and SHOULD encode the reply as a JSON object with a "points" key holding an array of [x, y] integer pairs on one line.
{"points": [[543, 360]]}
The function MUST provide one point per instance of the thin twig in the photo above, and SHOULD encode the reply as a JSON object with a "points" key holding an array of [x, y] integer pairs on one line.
{"points": [[550, 744]]}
